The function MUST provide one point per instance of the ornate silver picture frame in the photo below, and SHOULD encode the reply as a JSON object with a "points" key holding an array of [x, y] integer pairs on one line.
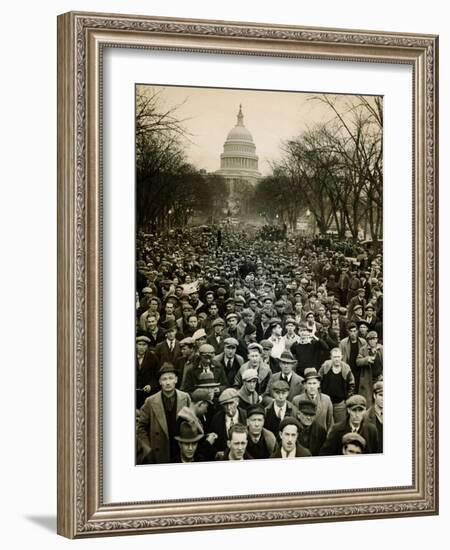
{"points": [[82, 41]]}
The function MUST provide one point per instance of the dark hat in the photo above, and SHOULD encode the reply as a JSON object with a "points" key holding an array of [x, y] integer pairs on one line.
{"points": [[239, 300], [280, 385], [145, 339], [207, 380], [310, 373], [307, 406], [229, 301], [218, 322], [370, 306], [355, 438], [289, 421], [266, 344], [256, 409], [287, 357], [169, 325], [230, 394], [167, 367], [361, 323], [201, 394], [356, 402], [290, 320], [334, 309], [378, 387], [357, 306], [188, 434]]}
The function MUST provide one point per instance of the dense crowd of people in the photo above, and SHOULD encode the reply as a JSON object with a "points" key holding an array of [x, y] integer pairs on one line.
{"points": [[249, 347]]}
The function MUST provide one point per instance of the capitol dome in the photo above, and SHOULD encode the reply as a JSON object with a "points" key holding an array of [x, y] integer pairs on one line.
{"points": [[239, 161]]}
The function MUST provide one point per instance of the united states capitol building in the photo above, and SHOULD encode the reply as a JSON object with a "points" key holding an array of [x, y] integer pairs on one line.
{"points": [[239, 161]]}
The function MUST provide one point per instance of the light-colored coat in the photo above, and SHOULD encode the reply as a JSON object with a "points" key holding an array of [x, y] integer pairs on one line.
{"points": [[152, 427], [345, 347]]}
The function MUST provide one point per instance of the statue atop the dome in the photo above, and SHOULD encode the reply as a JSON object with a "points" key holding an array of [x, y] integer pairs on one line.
{"points": [[240, 117]]}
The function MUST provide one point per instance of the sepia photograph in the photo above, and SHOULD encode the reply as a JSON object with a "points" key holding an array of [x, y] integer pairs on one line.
{"points": [[259, 274]]}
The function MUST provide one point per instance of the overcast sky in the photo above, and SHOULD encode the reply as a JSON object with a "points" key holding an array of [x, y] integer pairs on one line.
{"points": [[271, 117]]}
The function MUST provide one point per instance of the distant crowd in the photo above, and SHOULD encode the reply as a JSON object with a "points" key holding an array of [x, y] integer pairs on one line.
{"points": [[252, 348]]}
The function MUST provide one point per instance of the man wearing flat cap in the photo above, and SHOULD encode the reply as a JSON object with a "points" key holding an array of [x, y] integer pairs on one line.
{"points": [[290, 336], [353, 444], [157, 419], [146, 371], [350, 348], [229, 360], [248, 396], [324, 406], [287, 364], [215, 338], [288, 446], [254, 362], [370, 364], [280, 406], [375, 412], [261, 442], [311, 435], [355, 422], [169, 350], [267, 358], [231, 331], [204, 364], [229, 415]]}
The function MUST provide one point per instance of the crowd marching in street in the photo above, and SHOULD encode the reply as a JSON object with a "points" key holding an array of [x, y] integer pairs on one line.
{"points": [[252, 346]]}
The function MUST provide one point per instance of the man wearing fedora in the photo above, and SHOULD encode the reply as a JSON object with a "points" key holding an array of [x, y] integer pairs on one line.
{"points": [[355, 422], [157, 419], [229, 360], [324, 406], [169, 350], [229, 415], [261, 441], [198, 414], [287, 363], [288, 446], [188, 439]]}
